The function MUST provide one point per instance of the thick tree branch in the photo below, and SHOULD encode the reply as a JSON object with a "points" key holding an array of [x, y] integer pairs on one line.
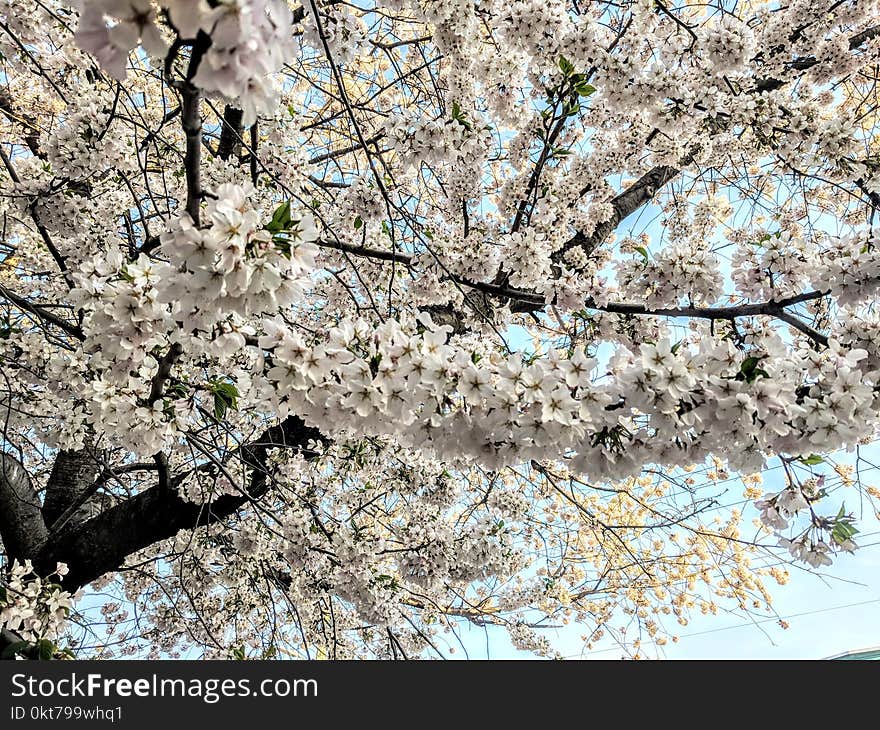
{"points": [[191, 121], [111, 473], [192, 128], [164, 372], [230, 134], [101, 545], [21, 521], [71, 474], [624, 204]]}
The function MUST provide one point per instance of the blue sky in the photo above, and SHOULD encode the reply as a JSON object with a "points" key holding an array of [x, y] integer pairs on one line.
{"points": [[828, 612]]}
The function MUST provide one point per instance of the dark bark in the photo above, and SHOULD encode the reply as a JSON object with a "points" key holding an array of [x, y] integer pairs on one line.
{"points": [[21, 521], [42, 313], [230, 135], [72, 472], [101, 544], [629, 201], [192, 128]]}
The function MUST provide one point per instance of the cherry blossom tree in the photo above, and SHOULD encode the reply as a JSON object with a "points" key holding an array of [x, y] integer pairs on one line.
{"points": [[328, 327]]}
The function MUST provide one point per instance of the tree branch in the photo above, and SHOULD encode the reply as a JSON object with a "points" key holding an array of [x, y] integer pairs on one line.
{"points": [[164, 372], [230, 134], [624, 204], [84, 496], [32, 131], [71, 473], [803, 64], [21, 522], [192, 128], [43, 314], [101, 544], [41, 229]]}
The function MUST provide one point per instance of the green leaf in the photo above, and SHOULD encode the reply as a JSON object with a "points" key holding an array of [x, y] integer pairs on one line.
{"points": [[843, 529], [45, 649], [225, 397], [585, 89], [177, 389], [566, 66], [842, 532], [643, 251], [281, 219], [749, 370], [358, 222], [812, 460], [458, 116]]}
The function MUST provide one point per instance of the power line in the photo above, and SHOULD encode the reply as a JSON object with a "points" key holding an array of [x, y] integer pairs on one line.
{"points": [[769, 619], [782, 618]]}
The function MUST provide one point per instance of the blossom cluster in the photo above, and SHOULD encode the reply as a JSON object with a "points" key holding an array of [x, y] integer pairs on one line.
{"points": [[236, 265], [213, 279], [510, 259], [679, 272], [34, 607], [660, 403], [250, 40], [825, 537]]}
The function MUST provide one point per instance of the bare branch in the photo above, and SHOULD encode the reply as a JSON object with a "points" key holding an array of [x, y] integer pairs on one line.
{"points": [[43, 314]]}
